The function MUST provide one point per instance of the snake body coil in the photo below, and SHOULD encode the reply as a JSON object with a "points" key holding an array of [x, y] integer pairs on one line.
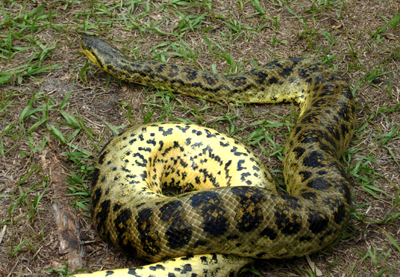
{"points": [[236, 213]]}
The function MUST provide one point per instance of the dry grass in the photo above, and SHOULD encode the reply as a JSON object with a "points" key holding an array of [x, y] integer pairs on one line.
{"points": [[52, 99]]}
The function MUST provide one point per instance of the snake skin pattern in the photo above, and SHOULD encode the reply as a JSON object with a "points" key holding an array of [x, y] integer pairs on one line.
{"points": [[235, 212]]}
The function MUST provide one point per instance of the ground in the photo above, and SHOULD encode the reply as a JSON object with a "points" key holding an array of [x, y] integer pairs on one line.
{"points": [[57, 110]]}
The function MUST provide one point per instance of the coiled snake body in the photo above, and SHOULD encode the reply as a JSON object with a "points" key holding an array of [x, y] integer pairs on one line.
{"points": [[235, 213]]}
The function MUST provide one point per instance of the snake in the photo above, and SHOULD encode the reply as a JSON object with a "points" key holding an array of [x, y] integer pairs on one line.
{"points": [[232, 211]]}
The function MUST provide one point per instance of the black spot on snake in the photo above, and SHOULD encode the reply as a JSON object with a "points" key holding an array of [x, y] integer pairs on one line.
{"points": [[187, 268], [179, 233], [214, 221], [190, 73], [305, 175], [183, 128], [239, 165], [314, 160], [339, 214], [287, 221], [148, 236], [299, 151], [173, 71], [101, 216], [292, 201], [272, 81], [102, 156], [318, 221], [310, 196], [259, 76], [268, 232], [157, 267], [319, 184], [209, 78], [249, 213], [95, 176]]}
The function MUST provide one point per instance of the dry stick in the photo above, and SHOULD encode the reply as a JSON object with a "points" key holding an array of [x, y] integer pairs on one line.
{"points": [[66, 220]]}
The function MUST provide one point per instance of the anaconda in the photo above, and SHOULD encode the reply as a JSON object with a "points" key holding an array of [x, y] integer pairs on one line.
{"points": [[235, 213]]}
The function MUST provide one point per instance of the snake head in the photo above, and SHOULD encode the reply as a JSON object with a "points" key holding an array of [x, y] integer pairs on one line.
{"points": [[99, 52]]}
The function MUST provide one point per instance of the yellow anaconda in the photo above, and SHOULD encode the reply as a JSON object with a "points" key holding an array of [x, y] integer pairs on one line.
{"points": [[238, 214]]}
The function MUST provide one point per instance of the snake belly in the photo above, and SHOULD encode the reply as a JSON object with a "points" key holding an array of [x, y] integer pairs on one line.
{"points": [[235, 213]]}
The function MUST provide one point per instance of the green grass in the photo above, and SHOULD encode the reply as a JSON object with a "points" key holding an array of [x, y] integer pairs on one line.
{"points": [[39, 44]]}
